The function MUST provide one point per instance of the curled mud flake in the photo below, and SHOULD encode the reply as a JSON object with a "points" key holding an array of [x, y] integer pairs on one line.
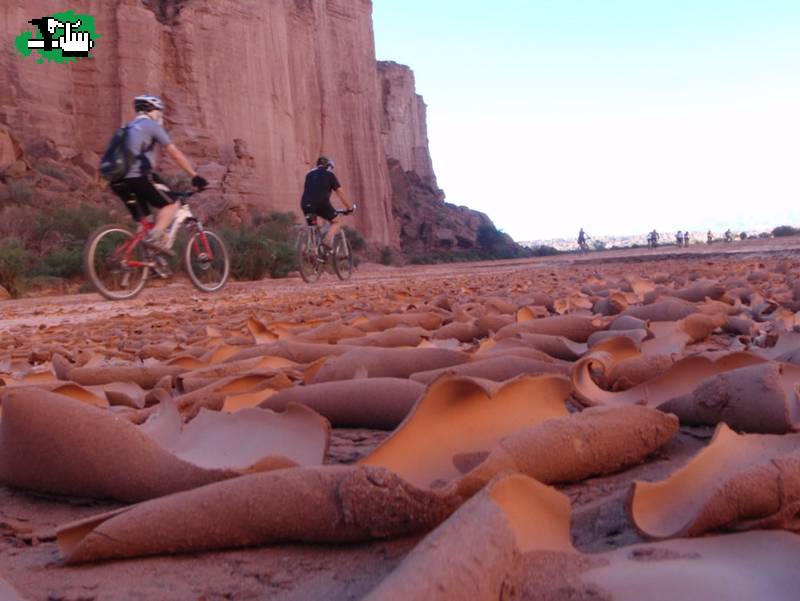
{"points": [[261, 509], [459, 415], [572, 448], [474, 552], [759, 399], [730, 484], [380, 403], [391, 338], [665, 309], [680, 378], [386, 363], [496, 369], [125, 462]]}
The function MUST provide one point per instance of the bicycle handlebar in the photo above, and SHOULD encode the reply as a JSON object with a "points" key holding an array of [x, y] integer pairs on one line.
{"points": [[183, 196], [349, 211]]}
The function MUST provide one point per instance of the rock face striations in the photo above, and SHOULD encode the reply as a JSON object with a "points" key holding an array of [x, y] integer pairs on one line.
{"points": [[255, 92], [424, 221]]}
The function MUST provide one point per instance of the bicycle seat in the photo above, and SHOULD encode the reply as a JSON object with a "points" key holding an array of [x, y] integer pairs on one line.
{"points": [[311, 219]]}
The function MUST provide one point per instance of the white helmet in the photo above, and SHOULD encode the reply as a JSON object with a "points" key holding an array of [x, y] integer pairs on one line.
{"points": [[146, 103]]}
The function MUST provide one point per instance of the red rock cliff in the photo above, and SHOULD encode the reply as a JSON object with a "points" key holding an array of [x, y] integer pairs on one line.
{"points": [[403, 121], [291, 78]]}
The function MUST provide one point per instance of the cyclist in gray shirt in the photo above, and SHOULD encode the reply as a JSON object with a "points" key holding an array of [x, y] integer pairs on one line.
{"points": [[137, 189]]}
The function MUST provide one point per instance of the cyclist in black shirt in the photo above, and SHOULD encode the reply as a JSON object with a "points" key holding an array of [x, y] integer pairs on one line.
{"points": [[320, 182]]}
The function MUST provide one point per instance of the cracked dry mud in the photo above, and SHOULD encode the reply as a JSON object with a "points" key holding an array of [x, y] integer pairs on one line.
{"points": [[34, 330]]}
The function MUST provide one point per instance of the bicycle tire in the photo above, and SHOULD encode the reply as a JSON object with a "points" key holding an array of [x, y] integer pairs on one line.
{"points": [[342, 257], [307, 260], [208, 274], [106, 272]]}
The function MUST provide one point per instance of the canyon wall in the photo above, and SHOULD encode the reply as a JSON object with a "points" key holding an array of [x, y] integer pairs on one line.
{"points": [[255, 91], [289, 79]]}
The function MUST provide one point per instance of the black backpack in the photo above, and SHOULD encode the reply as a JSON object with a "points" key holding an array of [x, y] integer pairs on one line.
{"points": [[117, 158]]}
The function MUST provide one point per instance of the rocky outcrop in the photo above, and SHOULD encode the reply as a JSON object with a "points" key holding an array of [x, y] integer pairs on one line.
{"points": [[404, 126], [424, 221]]}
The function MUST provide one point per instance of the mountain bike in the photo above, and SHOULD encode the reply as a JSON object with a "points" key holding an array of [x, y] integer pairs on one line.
{"points": [[312, 255], [118, 262]]}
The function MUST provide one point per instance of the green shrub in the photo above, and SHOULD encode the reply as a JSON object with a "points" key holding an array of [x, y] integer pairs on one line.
{"points": [[20, 192], [13, 261], [275, 226], [386, 256], [544, 251], [266, 247], [283, 259], [53, 171], [355, 239], [489, 236], [65, 263], [70, 225], [249, 253], [58, 237], [785, 230]]}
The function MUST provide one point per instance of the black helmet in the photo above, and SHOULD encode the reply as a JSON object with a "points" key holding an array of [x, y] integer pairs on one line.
{"points": [[326, 163], [146, 103]]}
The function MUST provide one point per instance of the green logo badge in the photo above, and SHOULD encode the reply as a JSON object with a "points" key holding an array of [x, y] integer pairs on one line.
{"points": [[63, 37]]}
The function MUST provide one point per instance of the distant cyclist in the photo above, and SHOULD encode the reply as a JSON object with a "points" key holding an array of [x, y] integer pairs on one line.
{"points": [[137, 189], [319, 184], [582, 243]]}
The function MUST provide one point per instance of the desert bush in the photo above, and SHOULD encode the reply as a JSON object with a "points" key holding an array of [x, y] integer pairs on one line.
{"points": [[544, 251], [489, 236], [13, 262], [64, 263], [53, 171], [20, 191], [250, 256], [355, 239], [264, 247], [58, 237], [386, 256], [785, 230]]}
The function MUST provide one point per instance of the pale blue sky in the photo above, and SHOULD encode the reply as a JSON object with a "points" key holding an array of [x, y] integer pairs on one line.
{"points": [[613, 115]]}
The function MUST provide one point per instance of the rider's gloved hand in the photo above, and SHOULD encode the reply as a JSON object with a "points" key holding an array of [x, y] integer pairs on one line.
{"points": [[351, 209], [199, 182]]}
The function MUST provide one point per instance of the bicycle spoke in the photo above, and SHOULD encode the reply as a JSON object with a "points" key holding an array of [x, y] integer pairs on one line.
{"points": [[207, 261], [116, 268]]}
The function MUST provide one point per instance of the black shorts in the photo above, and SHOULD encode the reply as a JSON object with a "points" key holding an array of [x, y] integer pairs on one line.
{"points": [[323, 208], [139, 195]]}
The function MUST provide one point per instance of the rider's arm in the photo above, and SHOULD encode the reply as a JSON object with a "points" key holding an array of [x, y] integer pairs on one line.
{"points": [[180, 159], [343, 198]]}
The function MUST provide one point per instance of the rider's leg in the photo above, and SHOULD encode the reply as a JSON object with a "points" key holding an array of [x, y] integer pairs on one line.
{"points": [[336, 225], [165, 217]]}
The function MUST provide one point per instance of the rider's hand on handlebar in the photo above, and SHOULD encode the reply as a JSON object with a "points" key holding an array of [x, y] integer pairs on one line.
{"points": [[351, 209], [199, 182]]}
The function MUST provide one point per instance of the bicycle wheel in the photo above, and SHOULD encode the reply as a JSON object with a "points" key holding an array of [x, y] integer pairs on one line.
{"points": [[342, 258], [207, 262], [115, 270], [307, 260]]}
